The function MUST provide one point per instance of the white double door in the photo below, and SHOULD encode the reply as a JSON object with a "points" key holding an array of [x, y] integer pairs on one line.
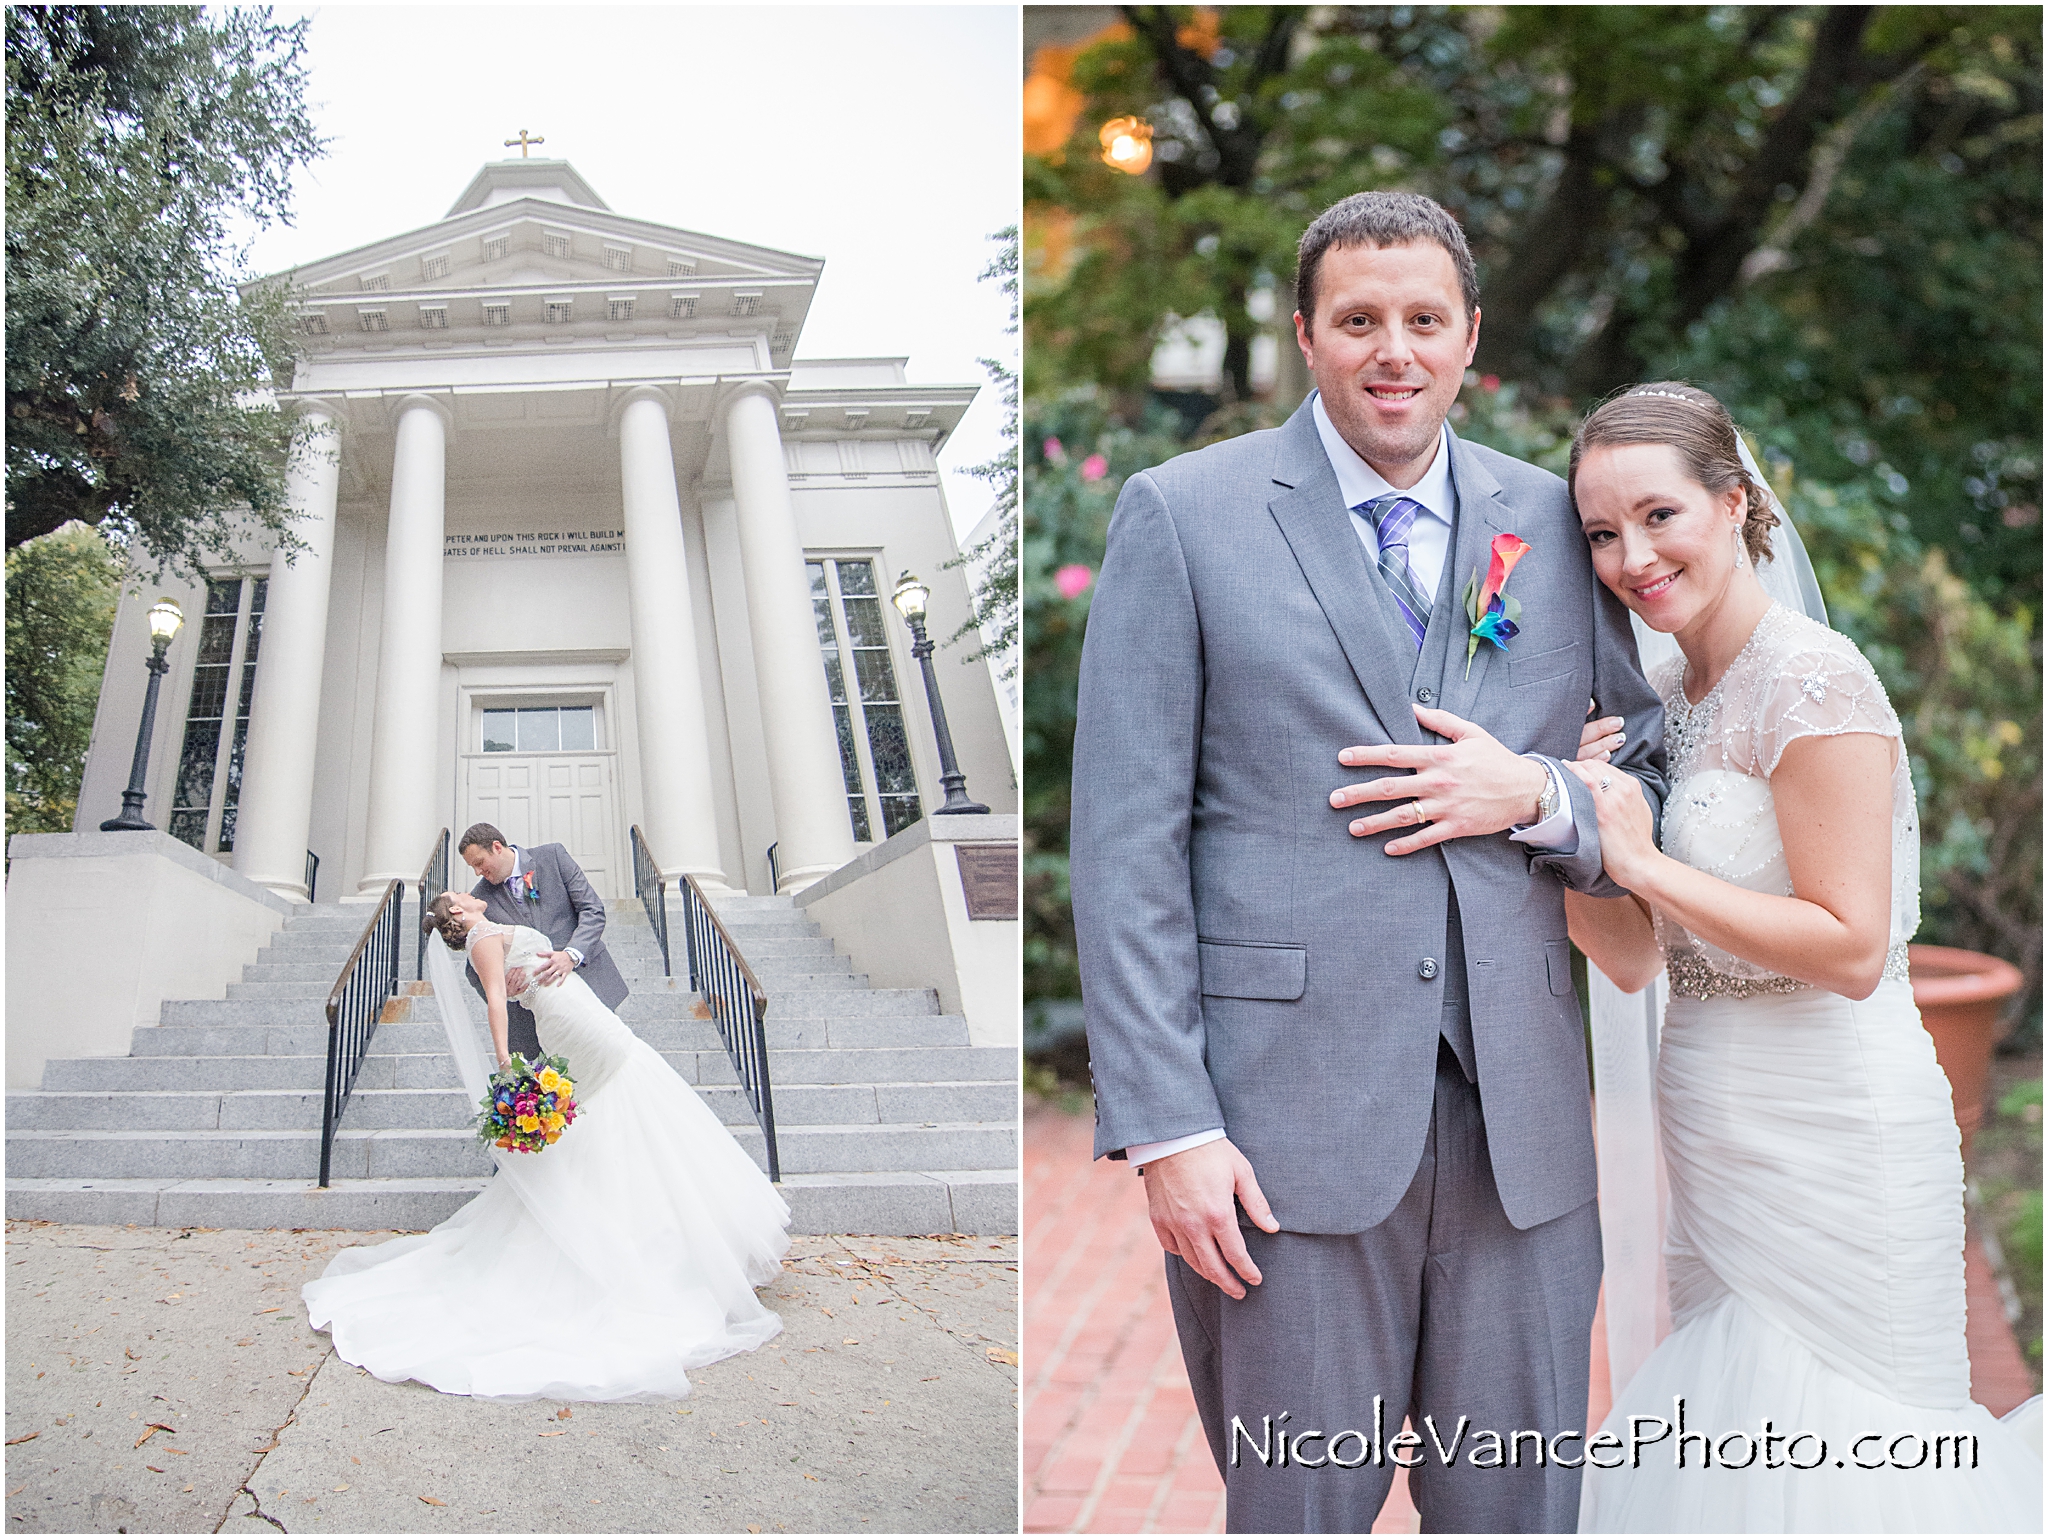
{"points": [[564, 798]]}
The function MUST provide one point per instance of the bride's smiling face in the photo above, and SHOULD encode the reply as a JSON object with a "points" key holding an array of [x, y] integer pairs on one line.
{"points": [[468, 910], [1662, 543]]}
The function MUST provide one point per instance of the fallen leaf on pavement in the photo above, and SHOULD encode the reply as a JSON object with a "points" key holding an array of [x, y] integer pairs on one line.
{"points": [[431, 1502], [246, 1341], [24, 1485], [186, 1451], [188, 1488], [270, 1447], [25, 1436], [563, 1433], [851, 1341], [273, 1309], [133, 1355], [564, 1414], [152, 1469], [353, 1459], [932, 1379], [341, 1488], [998, 1355]]}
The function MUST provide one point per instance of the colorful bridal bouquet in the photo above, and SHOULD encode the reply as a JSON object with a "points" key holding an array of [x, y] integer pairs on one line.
{"points": [[527, 1105]]}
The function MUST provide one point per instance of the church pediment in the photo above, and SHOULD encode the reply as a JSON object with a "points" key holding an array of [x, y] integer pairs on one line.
{"points": [[530, 244]]}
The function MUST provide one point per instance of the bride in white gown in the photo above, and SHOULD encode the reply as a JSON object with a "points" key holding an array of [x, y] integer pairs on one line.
{"points": [[1815, 1246], [599, 1268]]}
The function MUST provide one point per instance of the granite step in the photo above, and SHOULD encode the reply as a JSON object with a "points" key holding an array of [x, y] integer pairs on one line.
{"points": [[388, 1067], [885, 1202], [285, 1153]]}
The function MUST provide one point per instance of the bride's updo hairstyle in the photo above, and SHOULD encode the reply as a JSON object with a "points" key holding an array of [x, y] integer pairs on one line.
{"points": [[1687, 419], [443, 918]]}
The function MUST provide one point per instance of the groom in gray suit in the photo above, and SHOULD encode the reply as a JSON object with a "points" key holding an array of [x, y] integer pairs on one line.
{"points": [[1351, 1065], [544, 889]]}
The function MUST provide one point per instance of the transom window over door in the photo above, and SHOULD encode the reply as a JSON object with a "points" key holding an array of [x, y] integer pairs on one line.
{"points": [[542, 729], [874, 752], [209, 785]]}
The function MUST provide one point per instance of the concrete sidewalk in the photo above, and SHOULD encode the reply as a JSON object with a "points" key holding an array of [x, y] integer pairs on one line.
{"points": [[165, 1381]]}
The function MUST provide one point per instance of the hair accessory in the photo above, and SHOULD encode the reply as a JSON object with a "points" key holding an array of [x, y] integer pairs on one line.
{"points": [[1669, 395]]}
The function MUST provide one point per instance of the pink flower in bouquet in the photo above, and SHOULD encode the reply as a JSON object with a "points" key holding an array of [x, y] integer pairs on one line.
{"points": [[1094, 468], [1072, 581]]}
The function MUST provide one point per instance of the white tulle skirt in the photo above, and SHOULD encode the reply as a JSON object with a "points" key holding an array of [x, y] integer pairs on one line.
{"points": [[601, 1268], [1815, 1251]]}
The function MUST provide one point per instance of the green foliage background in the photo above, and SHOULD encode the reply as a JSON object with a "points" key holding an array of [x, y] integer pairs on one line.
{"points": [[61, 593], [139, 140], [1829, 216]]}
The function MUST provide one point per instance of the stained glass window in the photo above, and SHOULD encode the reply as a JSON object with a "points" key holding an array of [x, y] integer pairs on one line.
{"points": [[208, 787], [874, 750]]}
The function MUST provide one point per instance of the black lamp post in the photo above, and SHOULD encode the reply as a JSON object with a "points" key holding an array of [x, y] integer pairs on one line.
{"points": [[910, 598], [164, 619]]}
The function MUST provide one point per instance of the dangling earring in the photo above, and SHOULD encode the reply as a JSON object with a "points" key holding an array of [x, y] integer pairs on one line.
{"points": [[1741, 555]]}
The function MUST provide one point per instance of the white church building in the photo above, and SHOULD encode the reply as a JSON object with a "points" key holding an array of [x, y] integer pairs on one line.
{"points": [[585, 548]]}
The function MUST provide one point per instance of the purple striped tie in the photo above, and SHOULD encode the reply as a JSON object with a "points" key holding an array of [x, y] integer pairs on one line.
{"points": [[1393, 517]]}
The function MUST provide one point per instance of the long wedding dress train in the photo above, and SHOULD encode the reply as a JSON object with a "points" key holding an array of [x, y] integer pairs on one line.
{"points": [[1815, 1243], [601, 1268]]}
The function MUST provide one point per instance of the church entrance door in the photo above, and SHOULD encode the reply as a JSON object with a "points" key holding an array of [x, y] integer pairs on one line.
{"points": [[543, 780]]}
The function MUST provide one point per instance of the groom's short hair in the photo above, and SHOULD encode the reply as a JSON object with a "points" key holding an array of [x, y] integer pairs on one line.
{"points": [[482, 834], [1382, 219]]}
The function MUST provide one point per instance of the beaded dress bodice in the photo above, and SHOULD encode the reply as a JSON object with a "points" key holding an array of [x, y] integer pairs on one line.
{"points": [[1794, 678]]}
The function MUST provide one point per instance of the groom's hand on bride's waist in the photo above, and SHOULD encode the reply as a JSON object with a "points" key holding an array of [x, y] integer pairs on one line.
{"points": [[1194, 1197], [1471, 785], [554, 966]]}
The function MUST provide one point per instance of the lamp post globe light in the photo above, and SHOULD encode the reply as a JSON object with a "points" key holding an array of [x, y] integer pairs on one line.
{"points": [[164, 619], [910, 599]]}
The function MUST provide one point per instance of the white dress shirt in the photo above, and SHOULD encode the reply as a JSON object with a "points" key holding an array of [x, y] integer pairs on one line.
{"points": [[518, 863], [1429, 546]]}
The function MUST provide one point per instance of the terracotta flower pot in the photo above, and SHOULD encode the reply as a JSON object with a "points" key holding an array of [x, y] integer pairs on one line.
{"points": [[1962, 995]]}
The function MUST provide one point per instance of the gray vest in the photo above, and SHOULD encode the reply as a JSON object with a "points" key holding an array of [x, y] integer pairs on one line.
{"points": [[1442, 650]]}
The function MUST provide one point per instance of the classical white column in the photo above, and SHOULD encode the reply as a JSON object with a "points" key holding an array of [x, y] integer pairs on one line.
{"points": [[405, 729], [275, 804], [804, 775], [680, 819]]}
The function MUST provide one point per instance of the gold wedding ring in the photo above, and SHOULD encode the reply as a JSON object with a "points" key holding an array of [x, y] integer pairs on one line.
{"points": [[1416, 808]]}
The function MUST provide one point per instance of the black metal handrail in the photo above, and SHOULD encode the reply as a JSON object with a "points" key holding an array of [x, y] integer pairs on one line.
{"points": [[368, 979], [739, 1005], [651, 888], [434, 872], [312, 876], [774, 876]]}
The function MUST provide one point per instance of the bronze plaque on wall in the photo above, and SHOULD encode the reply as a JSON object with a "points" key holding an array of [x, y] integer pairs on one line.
{"points": [[988, 876]]}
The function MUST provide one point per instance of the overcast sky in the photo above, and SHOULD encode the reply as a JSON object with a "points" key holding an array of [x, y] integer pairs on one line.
{"points": [[884, 139]]}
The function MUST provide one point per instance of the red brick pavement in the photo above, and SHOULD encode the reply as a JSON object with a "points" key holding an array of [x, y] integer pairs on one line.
{"points": [[1112, 1442]]}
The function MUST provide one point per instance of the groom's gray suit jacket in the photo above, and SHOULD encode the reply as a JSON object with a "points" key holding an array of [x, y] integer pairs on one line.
{"points": [[569, 912], [1246, 963]]}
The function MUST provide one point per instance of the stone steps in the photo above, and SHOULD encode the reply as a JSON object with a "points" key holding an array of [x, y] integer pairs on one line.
{"points": [[281, 1153], [287, 1108], [888, 1121], [389, 1069], [884, 1202]]}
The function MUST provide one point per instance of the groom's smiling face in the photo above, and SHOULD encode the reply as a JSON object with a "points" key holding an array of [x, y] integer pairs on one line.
{"points": [[1389, 345], [493, 864]]}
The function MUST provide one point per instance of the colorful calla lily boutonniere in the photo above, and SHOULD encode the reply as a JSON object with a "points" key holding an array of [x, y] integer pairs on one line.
{"points": [[1492, 610], [528, 891]]}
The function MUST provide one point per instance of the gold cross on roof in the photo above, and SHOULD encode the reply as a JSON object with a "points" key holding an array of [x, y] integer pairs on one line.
{"points": [[523, 141]]}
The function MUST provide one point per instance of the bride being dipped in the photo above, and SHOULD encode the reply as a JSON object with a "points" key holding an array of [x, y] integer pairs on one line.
{"points": [[599, 1268], [1815, 1246]]}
